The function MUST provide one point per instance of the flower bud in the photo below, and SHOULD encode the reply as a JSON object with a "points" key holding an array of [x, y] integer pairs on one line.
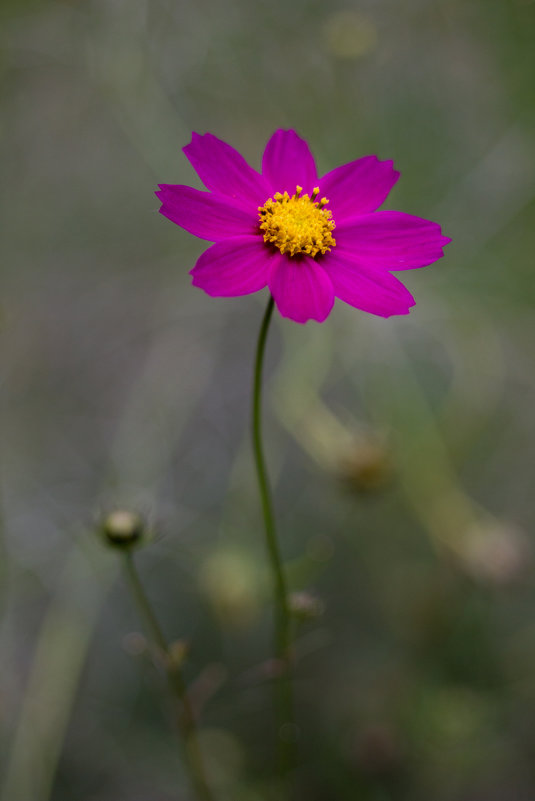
{"points": [[496, 552], [305, 606], [231, 581], [178, 652], [135, 644], [368, 467], [123, 529], [350, 35]]}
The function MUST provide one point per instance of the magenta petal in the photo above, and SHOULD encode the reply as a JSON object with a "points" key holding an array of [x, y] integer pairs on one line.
{"points": [[223, 170], [302, 289], [358, 187], [392, 240], [373, 290], [203, 214], [288, 162], [234, 267]]}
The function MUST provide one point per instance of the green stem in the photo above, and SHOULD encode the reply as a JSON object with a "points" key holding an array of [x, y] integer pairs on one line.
{"points": [[284, 699], [186, 716]]}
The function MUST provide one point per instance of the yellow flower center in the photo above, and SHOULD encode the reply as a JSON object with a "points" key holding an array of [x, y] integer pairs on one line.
{"points": [[297, 224]]}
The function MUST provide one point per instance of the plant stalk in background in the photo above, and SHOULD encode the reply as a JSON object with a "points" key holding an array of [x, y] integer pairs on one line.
{"points": [[186, 716]]}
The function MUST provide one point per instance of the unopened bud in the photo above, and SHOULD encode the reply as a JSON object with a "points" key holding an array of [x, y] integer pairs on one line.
{"points": [[231, 581], [305, 606], [368, 467], [350, 35], [134, 643], [178, 651], [496, 552], [123, 528]]}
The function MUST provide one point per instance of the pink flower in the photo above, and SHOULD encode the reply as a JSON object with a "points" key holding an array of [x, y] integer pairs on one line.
{"points": [[308, 239]]}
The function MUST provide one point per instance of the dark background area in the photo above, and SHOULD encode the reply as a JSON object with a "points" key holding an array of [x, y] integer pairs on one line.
{"points": [[401, 450]]}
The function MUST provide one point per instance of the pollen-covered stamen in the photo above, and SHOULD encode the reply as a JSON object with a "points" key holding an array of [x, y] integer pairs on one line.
{"points": [[298, 223]]}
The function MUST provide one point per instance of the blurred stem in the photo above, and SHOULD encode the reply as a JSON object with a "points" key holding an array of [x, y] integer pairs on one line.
{"points": [[30, 761], [186, 716], [284, 700]]}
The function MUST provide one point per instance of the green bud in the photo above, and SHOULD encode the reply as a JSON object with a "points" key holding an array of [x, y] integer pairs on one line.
{"points": [[368, 467]]}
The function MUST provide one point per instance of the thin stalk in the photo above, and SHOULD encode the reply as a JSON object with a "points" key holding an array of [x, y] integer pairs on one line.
{"points": [[186, 716], [283, 686]]}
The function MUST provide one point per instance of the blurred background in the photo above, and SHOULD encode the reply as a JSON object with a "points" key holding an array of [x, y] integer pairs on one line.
{"points": [[401, 450]]}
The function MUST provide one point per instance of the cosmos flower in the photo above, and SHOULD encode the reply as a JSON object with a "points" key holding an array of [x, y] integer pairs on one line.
{"points": [[308, 239]]}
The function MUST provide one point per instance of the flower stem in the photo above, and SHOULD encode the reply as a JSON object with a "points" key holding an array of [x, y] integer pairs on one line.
{"points": [[186, 716], [284, 699]]}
